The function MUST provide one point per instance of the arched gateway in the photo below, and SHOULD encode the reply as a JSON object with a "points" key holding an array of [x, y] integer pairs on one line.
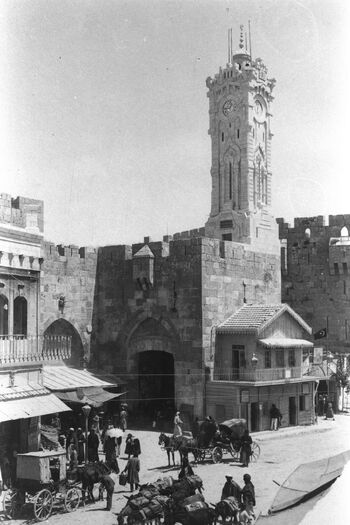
{"points": [[151, 363], [64, 328]]}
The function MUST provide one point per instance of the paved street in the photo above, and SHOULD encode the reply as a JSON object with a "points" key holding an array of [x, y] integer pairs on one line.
{"points": [[281, 452]]}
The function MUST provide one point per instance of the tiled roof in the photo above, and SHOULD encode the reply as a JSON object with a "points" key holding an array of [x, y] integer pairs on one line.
{"points": [[252, 318]]}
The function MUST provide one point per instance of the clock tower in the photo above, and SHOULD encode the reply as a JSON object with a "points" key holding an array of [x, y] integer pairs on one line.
{"points": [[240, 98]]}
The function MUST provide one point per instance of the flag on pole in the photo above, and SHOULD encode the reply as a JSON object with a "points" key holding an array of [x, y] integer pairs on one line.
{"points": [[321, 333]]}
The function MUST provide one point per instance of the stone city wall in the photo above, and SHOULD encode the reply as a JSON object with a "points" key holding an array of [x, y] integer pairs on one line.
{"points": [[315, 275]]}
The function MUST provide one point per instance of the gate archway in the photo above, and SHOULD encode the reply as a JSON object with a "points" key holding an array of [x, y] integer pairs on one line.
{"points": [[156, 382], [151, 364], [63, 327]]}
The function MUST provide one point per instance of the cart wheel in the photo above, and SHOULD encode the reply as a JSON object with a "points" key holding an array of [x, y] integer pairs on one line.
{"points": [[11, 504], [43, 502], [71, 500], [255, 451], [216, 454]]}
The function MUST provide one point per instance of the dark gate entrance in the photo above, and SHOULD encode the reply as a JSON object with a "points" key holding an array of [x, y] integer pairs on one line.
{"points": [[156, 384]]}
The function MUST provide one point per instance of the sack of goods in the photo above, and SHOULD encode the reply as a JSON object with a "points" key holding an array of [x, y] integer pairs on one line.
{"points": [[123, 478]]}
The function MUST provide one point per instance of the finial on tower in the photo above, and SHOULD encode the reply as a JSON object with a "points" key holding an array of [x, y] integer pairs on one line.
{"points": [[241, 39]]}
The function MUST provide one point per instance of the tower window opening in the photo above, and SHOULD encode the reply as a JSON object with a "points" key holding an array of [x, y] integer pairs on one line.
{"points": [[307, 233], [230, 181], [238, 133], [253, 133], [344, 232], [222, 137]]}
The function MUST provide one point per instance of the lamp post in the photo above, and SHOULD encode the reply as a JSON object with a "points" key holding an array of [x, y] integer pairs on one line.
{"points": [[86, 411]]}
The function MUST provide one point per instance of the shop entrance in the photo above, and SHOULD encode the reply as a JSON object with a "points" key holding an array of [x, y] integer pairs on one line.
{"points": [[156, 383], [254, 417], [292, 411]]}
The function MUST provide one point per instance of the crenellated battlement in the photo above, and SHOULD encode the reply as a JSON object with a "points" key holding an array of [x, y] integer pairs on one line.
{"points": [[331, 225], [21, 212], [62, 253]]}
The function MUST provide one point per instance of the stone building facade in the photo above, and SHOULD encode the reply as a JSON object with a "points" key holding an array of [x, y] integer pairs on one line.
{"points": [[315, 262], [67, 296], [159, 298]]}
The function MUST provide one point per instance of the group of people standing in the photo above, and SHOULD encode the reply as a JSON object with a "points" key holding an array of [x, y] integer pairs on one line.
{"points": [[244, 498]]}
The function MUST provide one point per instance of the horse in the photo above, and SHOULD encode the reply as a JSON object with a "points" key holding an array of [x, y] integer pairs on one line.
{"points": [[167, 442], [184, 445], [89, 475]]}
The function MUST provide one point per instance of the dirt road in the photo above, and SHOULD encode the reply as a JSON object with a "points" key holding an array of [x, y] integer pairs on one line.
{"points": [[281, 452]]}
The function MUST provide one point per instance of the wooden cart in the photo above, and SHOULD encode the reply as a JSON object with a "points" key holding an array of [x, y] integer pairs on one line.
{"points": [[41, 481]]}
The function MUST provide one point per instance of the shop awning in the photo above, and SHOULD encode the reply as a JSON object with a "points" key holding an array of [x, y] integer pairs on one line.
{"points": [[285, 342], [63, 378], [26, 407], [93, 397]]}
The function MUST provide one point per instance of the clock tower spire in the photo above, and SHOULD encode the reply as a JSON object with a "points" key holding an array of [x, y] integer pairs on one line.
{"points": [[240, 98]]}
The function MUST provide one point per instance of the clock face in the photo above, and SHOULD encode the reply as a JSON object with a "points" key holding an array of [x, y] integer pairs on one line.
{"points": [[259, 111], [229, 106]]}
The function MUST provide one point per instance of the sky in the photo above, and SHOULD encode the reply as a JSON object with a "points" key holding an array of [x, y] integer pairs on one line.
{"points": [[104, 109]]}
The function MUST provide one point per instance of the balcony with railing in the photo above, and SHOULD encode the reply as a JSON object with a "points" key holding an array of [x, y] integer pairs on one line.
{"points": [[257, 374], [23, 349]]}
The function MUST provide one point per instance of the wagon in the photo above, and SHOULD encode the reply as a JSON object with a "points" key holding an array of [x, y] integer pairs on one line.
{"points": [[231, 433], [41, 480], [214, 442]]}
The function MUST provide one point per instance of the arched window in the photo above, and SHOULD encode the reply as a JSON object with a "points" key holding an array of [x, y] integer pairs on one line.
{"points": [[20, 316], [344, 232], [307, 233], [4, 325]]}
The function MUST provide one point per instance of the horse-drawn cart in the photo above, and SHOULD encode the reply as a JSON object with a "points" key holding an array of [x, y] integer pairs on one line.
{"points": [[214, 442], [231, 433], [42, 482]]}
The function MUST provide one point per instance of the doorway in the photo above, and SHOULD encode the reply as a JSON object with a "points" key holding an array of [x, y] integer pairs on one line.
{"points": [[254, 417], [156, 383], [292, 410]]}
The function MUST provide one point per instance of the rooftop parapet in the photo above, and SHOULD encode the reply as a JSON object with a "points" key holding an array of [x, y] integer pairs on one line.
{"points": [[22, 212]]}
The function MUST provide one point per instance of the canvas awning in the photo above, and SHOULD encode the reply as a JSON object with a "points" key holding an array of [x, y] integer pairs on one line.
{"points": [[13, 409], [285, 342], [93, 397], [62, 378]]}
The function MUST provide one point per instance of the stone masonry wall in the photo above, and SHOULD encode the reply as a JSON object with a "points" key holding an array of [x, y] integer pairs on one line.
{"points": [[230, 272], [68, 272], [315, 276]]}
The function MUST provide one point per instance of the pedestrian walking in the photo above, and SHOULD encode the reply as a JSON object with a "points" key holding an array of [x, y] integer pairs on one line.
{"points": [[108, 483], [248, 500], [329, 412], [109, 448], [132, 446], [96, 425], [320, 405], [186, 469], [231, 488], [177, 425], [132, 470], [275, 414], [92, 444], [123, 418], [246, 448], [195, 428], [71, 439], [81, 441]]}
